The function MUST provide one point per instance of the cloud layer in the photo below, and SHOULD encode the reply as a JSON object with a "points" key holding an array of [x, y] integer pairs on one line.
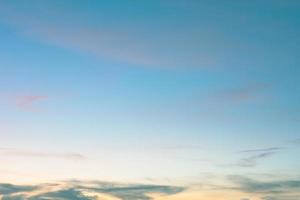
{"points": [[288, 189], [84, 190]]}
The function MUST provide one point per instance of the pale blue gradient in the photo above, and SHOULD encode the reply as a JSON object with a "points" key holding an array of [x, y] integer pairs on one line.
{"points": [[171, 88]]}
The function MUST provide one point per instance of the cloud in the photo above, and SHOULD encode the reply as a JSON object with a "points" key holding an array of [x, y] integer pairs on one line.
{"points": [[6, 189], [261, 150], [288, 189], [63, 194], [295, 142], [243, 94], [138, 191], [85, 190], [249, 185], [251, 161], [282, 197], [27, 102], [127, 43], [22, 153]]}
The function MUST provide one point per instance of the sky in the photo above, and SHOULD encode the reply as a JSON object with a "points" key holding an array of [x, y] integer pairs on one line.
{"points": [[149, 100]]}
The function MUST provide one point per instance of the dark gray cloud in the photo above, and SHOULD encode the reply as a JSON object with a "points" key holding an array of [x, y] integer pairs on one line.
{"points": [[288, 189], [282, 197], [67, 194], [295, 142], [10, 189], [249, 185], [251, 161], [138, 191], [64, 194], [77, 190], [256, 155], [262, 150]]}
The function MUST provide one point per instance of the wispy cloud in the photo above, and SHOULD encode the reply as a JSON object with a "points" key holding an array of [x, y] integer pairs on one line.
{"points": [[271, 189], [119, 43], [7, 189], [261, 150], [24, 153], [27, 102], [295, 142], [257, 155], [252, 160], [243, 94], [249, 185], [85, 190], [281, 197]]}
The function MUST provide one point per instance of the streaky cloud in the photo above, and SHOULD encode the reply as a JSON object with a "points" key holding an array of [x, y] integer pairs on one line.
{"points": [[261, 150], [256, 155], [85, 190], [251, 161], [27, 102], [123, 44], [40, 154], [7, 189], [296, 142], [243, 94], [249, 185], [282, 197]]}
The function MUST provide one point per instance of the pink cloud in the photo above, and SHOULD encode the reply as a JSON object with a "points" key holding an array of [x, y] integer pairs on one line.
{"points": [[121, 44], [244, 94], [27, 102]]}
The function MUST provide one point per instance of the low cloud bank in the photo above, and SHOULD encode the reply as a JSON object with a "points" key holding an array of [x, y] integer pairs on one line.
{"points": [[83, 190]]}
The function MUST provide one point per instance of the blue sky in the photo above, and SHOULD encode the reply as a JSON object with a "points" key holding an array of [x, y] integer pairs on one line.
{"points": [[169, 90]]}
